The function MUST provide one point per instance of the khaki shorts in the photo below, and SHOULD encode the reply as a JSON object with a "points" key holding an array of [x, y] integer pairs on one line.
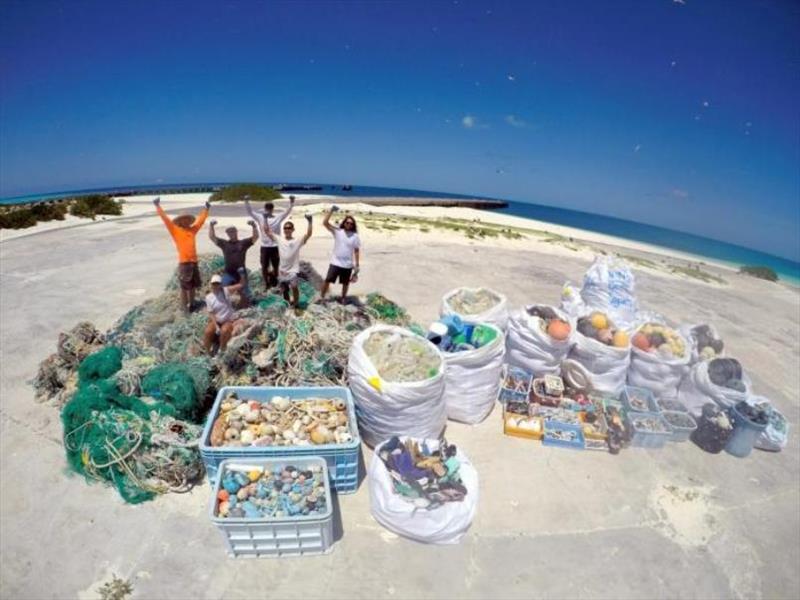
{"points": [[189, 275]]}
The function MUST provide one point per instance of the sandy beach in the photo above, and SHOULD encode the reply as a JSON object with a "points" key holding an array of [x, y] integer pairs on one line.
{"points": [[551, 523]]}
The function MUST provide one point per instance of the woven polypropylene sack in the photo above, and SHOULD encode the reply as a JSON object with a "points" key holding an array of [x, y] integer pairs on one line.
{"points": [[659, 374], [472, 380], [497, 315], [532, 349], [697, 389], [446, 524], [386, 408], [607, 366], [609, 287]]}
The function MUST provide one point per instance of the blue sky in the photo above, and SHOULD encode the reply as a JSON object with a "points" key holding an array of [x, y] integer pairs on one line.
{"points": [[679, 114]]}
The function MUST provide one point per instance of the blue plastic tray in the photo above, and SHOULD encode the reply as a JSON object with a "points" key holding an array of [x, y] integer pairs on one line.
{"points": [[642, 393], [648, 439], [576, 444], [342, 459]]}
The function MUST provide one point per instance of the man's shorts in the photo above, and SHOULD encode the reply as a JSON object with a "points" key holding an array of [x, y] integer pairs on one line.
{"points": [[270, 257], [289, 282], [340, 273], [189, 275]]}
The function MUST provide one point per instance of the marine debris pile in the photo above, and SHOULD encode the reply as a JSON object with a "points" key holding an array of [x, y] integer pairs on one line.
{"points": [[399, 358], [134, 398]]}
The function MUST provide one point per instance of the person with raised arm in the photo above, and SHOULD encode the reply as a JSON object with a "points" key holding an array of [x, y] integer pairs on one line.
{"points": [[234, 251], [270, 259], [289, 252], [183, 230], [346, 256]]}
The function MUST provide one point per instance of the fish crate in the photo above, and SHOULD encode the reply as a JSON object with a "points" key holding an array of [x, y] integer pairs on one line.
{"points": [[656, 435], [523, 426], [637, 399], [682, 423], [595, 445], [342, 459], [594, 425], [277, 537], [672, 405], [563, 435]]}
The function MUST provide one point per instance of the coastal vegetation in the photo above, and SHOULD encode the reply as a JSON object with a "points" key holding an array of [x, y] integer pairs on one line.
{"points": [[22, 217], [760, 272], [238, 192]]}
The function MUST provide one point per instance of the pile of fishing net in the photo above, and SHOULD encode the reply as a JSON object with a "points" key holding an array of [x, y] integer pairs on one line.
{"points": [[134, 406]]}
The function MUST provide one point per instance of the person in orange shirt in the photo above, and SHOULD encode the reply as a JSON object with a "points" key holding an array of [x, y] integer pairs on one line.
{"points": [[183, 230]]}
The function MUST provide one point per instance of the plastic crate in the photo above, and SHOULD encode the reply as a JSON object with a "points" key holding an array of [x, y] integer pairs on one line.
{"points": [[550, 427], [280, 536], [668, 404], [637, 399], [539, 396], [513, 401], [597, 430], [643, 438], [521, 376], [342, 459], [682, 423], [522, 426]]}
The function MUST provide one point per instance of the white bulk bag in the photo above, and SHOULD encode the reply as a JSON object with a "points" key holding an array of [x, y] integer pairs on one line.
{"points": [[607, 366], [497, 315], [532, 349], [446, 524], [472, 380], [775, 437], [659, 374], [697, 389], [609, 287], [386, 408]]}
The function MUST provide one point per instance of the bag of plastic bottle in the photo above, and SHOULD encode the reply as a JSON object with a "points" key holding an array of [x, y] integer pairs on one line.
{"points": [[476, 305]]}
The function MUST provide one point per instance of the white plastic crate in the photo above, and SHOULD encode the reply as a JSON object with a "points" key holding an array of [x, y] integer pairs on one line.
{"points": [[275, 537]]}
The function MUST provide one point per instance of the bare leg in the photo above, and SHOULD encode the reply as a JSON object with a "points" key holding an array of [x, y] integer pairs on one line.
{"points": [[225, 331], [285, 289], [345, 287], [295, 296], [324, 289], [192, 293], [184, 300], [208, 335]]}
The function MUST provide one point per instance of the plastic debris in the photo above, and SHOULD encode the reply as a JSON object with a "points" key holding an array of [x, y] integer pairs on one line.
{"points": [[402, 358]]}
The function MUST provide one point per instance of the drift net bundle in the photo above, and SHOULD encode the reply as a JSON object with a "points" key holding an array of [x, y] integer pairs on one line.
{"points": [[134, 398]]}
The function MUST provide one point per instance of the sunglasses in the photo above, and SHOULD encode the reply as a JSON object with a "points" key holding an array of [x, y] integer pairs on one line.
{"points": [[288, 228]]}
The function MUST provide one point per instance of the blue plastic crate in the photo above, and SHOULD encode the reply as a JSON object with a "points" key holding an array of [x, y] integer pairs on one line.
{"points": [[645, 438], [550, 426], [638, 399], [342, 459]]}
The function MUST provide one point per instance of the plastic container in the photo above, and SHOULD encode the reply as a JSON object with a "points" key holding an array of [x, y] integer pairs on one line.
{"points": [[516, 380], [745, 433], [342, 459], [638, 399], [597, 430], [522, 426], [539, 395], [553, 428], [670, 404], [682, 423], [710, 435], [647, 438], [276, 537]]}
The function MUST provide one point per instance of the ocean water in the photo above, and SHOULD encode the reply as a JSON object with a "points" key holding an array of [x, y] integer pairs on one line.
{"points": [[667, 238]]}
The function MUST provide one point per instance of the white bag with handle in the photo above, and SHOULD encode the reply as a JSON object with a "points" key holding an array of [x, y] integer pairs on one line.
{"points": [[531, 348], [386, 408], [658, 373], [697, 389], [607, 366], [608, 287], [446, 524], [496, 315], [472, 379]]}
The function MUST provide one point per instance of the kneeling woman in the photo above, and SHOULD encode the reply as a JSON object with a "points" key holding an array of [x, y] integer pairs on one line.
{"points": [[221, 314], [346, 253]]}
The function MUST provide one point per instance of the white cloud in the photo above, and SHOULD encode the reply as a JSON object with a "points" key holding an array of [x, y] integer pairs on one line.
{"points": [[637, 147], [469, 121], [679, 193], [511, 77], [515, 121]]}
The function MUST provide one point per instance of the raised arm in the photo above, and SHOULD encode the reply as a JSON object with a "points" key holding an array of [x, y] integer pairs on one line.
{"points": [[286, 212], [309, 218], [167, 221], [252, 224], [268, 230], [201, 218], [211, 233], [250, 210], [327, 220]]}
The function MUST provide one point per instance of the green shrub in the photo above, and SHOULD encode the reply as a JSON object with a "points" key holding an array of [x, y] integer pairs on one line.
{"points": [[236, 193], [49, 212], [17, 219], [96, 204], [760, 272]]}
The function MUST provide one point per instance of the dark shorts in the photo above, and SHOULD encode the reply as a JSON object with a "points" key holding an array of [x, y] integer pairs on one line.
{"points": [[270, 257], [189, 275], [340, 273]]}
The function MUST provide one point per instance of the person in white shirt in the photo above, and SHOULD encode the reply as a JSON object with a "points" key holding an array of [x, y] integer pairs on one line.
{"points": [[270, 259], [221, 313], [289, 252], [346, 256]]}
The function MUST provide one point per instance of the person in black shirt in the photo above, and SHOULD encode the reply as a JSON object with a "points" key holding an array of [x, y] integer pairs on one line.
{"points": [[234, 251]]}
